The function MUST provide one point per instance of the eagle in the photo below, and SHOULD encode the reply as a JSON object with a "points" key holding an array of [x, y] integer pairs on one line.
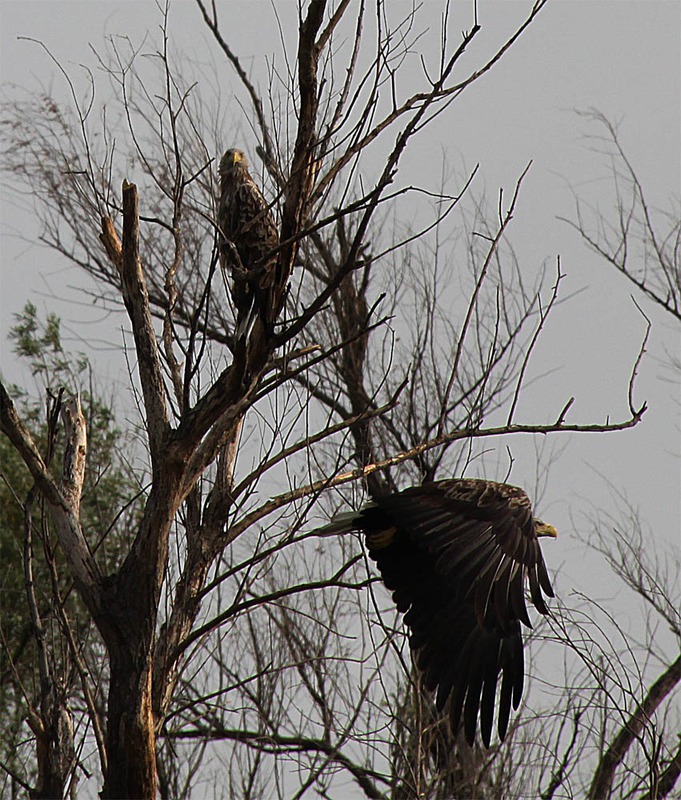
{"points": [[248, 245], [456, 555]]}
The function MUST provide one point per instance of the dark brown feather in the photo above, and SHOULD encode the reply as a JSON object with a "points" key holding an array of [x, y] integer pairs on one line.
{"points": [[247, 224], [456, 555]]}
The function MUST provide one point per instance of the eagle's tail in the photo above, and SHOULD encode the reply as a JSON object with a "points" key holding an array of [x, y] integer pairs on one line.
{"points": [[247, 319]]}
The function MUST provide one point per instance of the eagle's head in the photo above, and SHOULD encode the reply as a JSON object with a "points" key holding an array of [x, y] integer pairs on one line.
{"points": [[544, 529], [231, 159]]}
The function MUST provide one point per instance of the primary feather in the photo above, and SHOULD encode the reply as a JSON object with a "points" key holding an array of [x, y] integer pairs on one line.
{"points": [[456, 555]]}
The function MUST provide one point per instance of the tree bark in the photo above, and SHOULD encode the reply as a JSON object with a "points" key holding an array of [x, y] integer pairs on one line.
{"points": [[55, 752], [130, 737]]}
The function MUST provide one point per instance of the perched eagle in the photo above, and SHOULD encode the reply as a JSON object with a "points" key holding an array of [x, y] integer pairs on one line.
{"points": [[248, 245], [456, 555]]}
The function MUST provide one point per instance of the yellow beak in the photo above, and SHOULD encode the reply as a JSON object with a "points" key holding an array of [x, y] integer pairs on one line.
{"points": [[544, 529]]}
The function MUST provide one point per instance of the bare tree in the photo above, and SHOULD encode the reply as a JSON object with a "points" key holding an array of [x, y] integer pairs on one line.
{"points": [[630, 683], [226, 617], [641, 241], [614, 730]]}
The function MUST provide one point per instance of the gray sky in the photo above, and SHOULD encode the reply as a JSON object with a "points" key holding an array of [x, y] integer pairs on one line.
{"points": [[622, 58]]}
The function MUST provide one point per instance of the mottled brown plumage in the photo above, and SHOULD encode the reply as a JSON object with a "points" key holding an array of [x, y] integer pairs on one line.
{"points": [[456, 555], [248, 246]]}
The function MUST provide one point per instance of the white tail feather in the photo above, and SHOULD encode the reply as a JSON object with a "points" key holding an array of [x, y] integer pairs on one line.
{"points": [[343, 523], [245, 325]]}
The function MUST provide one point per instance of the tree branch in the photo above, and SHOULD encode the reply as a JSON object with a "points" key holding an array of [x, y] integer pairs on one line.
{"points": [[272, 742], [466, 433], [83, 567], [136, 298], [601, 785]]}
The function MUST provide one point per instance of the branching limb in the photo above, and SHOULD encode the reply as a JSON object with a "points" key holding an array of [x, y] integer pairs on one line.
{"points": [[601, 785], [136, 298], [667, 779], [239, 607], [543, 315], [67, 525], [656, 270], [468, 433], [212, 23], [275, 743]]}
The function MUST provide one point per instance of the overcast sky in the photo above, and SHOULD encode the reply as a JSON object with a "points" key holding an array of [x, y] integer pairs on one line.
{"points": [[621, 58]]}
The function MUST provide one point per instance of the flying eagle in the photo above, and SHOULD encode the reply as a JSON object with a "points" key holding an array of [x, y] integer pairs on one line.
{"points": [[456, 555], [248, 245]]}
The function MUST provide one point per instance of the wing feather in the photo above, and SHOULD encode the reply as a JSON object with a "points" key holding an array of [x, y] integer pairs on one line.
{"points": [[247, 225], [457, 561], [489, 690]]}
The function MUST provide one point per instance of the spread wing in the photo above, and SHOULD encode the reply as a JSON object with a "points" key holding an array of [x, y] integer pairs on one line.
{"points": [[456, 555]]}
